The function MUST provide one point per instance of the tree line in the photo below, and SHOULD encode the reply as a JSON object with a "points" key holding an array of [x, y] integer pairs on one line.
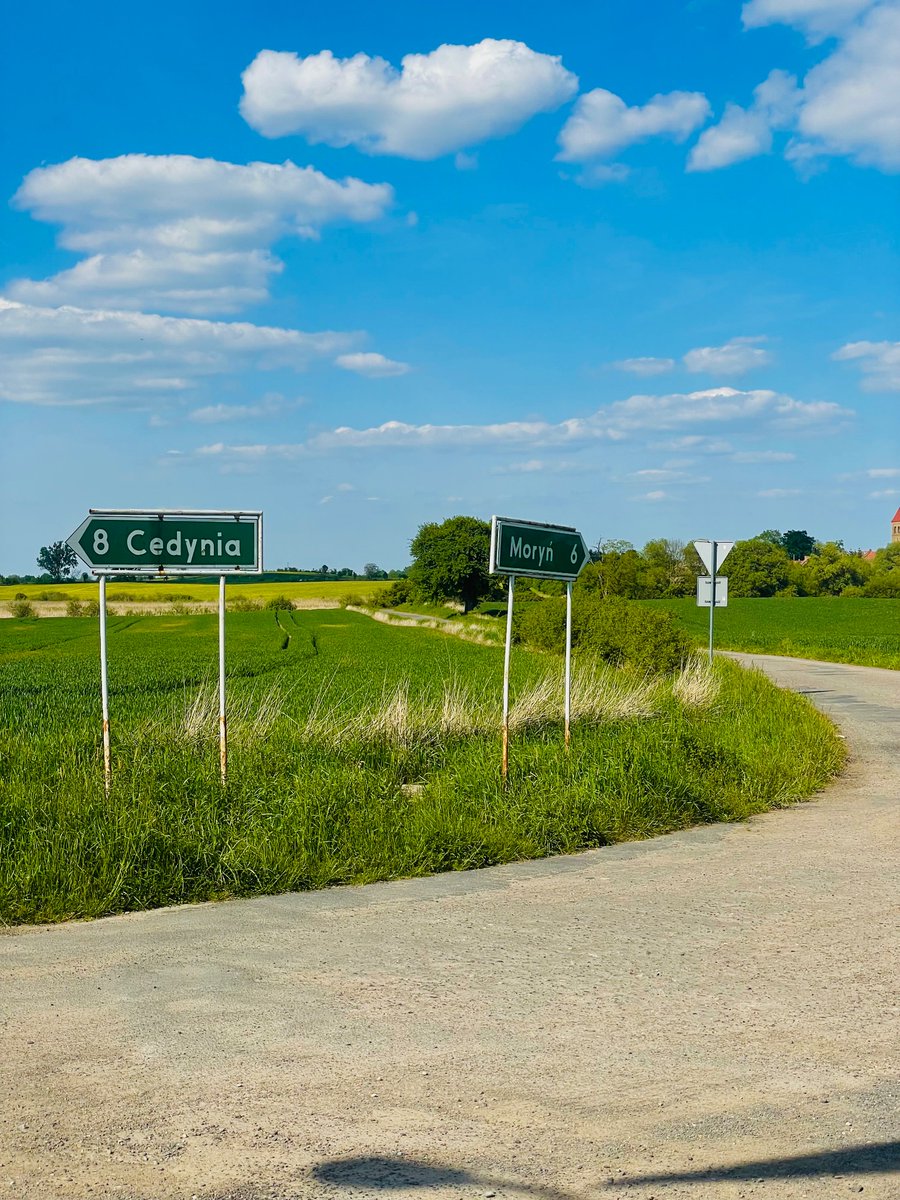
{"points": [[450, 562]]}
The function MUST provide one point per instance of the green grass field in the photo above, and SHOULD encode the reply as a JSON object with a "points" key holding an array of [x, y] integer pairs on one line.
{"points": [[358, 751], [835, 629]]}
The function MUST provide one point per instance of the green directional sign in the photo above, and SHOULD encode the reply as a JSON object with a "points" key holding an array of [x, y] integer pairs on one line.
{"points": [[529, 548], [170, 542]]}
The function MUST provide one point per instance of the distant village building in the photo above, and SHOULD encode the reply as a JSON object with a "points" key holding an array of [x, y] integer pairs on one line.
{"points": [[895, 527]]}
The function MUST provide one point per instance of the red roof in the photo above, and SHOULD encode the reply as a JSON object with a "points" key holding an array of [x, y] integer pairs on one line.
{"points": [[896, 516]]}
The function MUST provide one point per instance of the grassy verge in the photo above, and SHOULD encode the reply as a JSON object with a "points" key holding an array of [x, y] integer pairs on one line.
{"points": [[830, 628], [359, 752]]}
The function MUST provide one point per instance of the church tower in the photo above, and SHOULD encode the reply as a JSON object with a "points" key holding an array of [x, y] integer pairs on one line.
{"points": [[895, 527]]}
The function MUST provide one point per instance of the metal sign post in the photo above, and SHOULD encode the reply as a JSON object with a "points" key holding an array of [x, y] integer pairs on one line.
{"points": [[547, 552], [223, 726], [712, 600], [163, 541], [712, 554], [568, 701], [104, 688], [504, 770]]}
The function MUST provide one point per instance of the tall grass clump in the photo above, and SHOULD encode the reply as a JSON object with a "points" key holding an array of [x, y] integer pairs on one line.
{"points": [[328, 734]]}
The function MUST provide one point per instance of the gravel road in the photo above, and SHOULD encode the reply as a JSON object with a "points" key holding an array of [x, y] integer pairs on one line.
{"points": [[708, 1014]]}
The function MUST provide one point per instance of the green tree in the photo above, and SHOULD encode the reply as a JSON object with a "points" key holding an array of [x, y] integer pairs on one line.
{"points": [[450, 561], [831, 569], [58, 560], [773, 536], [757, 568], [798, 543]]}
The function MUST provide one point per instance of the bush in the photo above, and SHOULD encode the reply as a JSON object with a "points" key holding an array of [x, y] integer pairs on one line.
{"points": [[614, 630], [22, 608], [401, 591], [20, 596], [243, 604], [73, 608], [352, 600], [279, 604]]}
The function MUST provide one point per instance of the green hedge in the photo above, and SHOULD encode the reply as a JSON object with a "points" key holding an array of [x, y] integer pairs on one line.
{"points": [[616, 630]]}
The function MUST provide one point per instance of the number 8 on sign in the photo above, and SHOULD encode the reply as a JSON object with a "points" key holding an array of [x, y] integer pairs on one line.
{"points": [[101, 541]]}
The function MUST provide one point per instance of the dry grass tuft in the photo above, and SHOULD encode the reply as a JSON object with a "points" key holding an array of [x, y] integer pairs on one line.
{"points": [[696, 685]]}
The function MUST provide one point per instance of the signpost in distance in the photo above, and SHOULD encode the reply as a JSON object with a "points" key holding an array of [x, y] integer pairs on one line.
{"points": [[547, 552], [712, 555], [159, 541]]}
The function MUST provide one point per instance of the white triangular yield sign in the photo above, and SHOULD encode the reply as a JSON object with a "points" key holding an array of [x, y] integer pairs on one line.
{"points": [[704, 548]]}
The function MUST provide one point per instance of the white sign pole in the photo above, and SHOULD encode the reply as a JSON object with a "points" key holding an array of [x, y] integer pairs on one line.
{"points": [[712, 599], [568, 659], [223, 729], [509, 613], [104, 688]]}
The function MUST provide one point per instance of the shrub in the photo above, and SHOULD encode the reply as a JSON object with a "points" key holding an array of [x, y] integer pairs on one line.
{"points": [[352, 599], [614, 630], [20, 596], [73, 608], [243, 604], [279, 604], [22, 608], [401, 591]]}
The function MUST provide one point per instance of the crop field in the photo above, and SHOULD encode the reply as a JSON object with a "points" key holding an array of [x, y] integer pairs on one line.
{"points": [[357, 751], [49, 599], [833, 628]]}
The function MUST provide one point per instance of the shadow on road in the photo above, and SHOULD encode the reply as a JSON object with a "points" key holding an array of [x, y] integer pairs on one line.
{"points": [[383, 1173], [878, 1158]]}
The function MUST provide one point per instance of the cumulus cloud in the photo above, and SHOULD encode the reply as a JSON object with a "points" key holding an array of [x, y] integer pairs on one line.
{"points": [[817, 18], [879, 362], [848, 104], [374, 366], [630, 418], [734, 358], [435, 104], [178, 233], [884, 473], [851, 101], [746, 132], [79, 356], [645, 366], [603, 124]]}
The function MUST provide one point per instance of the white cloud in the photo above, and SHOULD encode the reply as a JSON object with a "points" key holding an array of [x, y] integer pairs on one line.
{"points": [[437, 103], [178, 233], [744, 133], [645, 366], [80, 356], [884, 493], [625, 418], [879, 362], [717, 405], [531, 467], [818, 18], [653, 497], [216, 414], [346, 487], [762, 456], [374, 366], [603, 124], [851, 101], [884, 473], [778, 493], [734, 358]]}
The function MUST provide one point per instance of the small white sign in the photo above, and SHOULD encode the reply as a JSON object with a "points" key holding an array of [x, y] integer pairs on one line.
{"points": [[704, 548], [704, 591]]}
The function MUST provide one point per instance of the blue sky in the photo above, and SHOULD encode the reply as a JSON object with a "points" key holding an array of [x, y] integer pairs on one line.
{"points": [[628, 267]]}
